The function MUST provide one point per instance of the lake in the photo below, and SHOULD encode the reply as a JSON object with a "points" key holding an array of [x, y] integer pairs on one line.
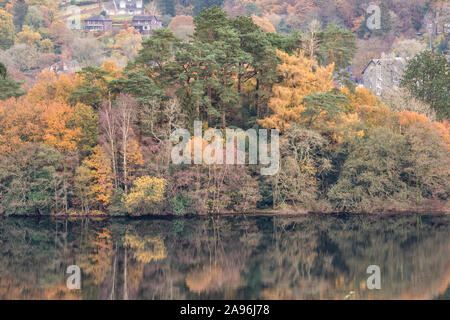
{"points": [[227, 257]]}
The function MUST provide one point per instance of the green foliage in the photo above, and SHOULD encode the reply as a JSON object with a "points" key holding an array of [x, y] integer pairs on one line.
{"points": [[200, 5], [225, 54], [93, 90], [30, 183], [428, 172], [20, 9], [228, 74], [304, 163], [337, 45], [86, 119], [142, 87], [251, 8], [8, 87], [156, 53], [427, 78], [117, 207], [181, 205], [283, 27], [7, 30], [328, 103], [34, 18], [388, 167], [372, 171]]}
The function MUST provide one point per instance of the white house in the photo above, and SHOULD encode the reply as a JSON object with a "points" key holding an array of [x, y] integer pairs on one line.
{"points": [[125, 7]]}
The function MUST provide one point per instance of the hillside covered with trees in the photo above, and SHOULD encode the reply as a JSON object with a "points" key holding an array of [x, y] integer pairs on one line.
{"points": [[86, 118]]}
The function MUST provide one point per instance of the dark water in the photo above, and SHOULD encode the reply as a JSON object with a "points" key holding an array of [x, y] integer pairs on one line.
{"points": [[310, 257]]}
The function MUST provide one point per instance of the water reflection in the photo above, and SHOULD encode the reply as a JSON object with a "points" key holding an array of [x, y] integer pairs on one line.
{"points": [[226, 257]]}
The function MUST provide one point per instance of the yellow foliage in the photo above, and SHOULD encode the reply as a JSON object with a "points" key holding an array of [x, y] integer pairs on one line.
{"points": [[346, 126], [146, 249], [360, 97], [277, 294], [301, 77], [376, 116], [128, 43], [146, 190], [110, 66], [99, 174], [368, 107], [135, 157], [28, 36], [99, 264]]}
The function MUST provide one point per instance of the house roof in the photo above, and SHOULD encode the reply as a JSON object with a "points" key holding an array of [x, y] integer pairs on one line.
{"points": [[98, 17], [388, 60], [374, 61], [145, 17]]}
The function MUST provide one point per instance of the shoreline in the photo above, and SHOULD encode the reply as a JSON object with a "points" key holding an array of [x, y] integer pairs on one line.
{"points": [[271, 213]]}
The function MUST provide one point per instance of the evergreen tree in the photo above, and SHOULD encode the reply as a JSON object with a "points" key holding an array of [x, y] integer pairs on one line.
{"points": [[337, 45], [8, 87], [6, 30], [20, 9], [427, 78], [200, 5]]}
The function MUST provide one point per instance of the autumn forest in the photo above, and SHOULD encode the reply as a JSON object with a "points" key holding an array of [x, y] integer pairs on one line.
{"points": [[86, 117]]}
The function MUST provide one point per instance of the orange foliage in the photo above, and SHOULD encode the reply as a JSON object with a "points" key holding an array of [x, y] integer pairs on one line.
{"points": [[407, 118], [30, 119], [370, 110], [57, 131], [444, 130], [18, 124], [50, 87]]}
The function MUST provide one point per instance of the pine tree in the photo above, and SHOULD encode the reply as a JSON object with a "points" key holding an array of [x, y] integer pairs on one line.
{"points": [[427, 78]]}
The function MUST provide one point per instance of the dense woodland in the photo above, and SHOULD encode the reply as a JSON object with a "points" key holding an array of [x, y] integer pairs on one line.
{"points": [[96, 140]]}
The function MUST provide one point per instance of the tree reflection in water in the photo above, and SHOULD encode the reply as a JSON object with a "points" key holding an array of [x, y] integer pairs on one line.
{"points": [[307, 257]]}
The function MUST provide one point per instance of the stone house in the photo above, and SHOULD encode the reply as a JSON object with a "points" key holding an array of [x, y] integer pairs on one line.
{"points": [[381, 75], [97, 22], [146, 23]]}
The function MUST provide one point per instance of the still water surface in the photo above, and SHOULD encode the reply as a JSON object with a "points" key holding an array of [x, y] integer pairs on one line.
{"points": [[307, 257]]}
